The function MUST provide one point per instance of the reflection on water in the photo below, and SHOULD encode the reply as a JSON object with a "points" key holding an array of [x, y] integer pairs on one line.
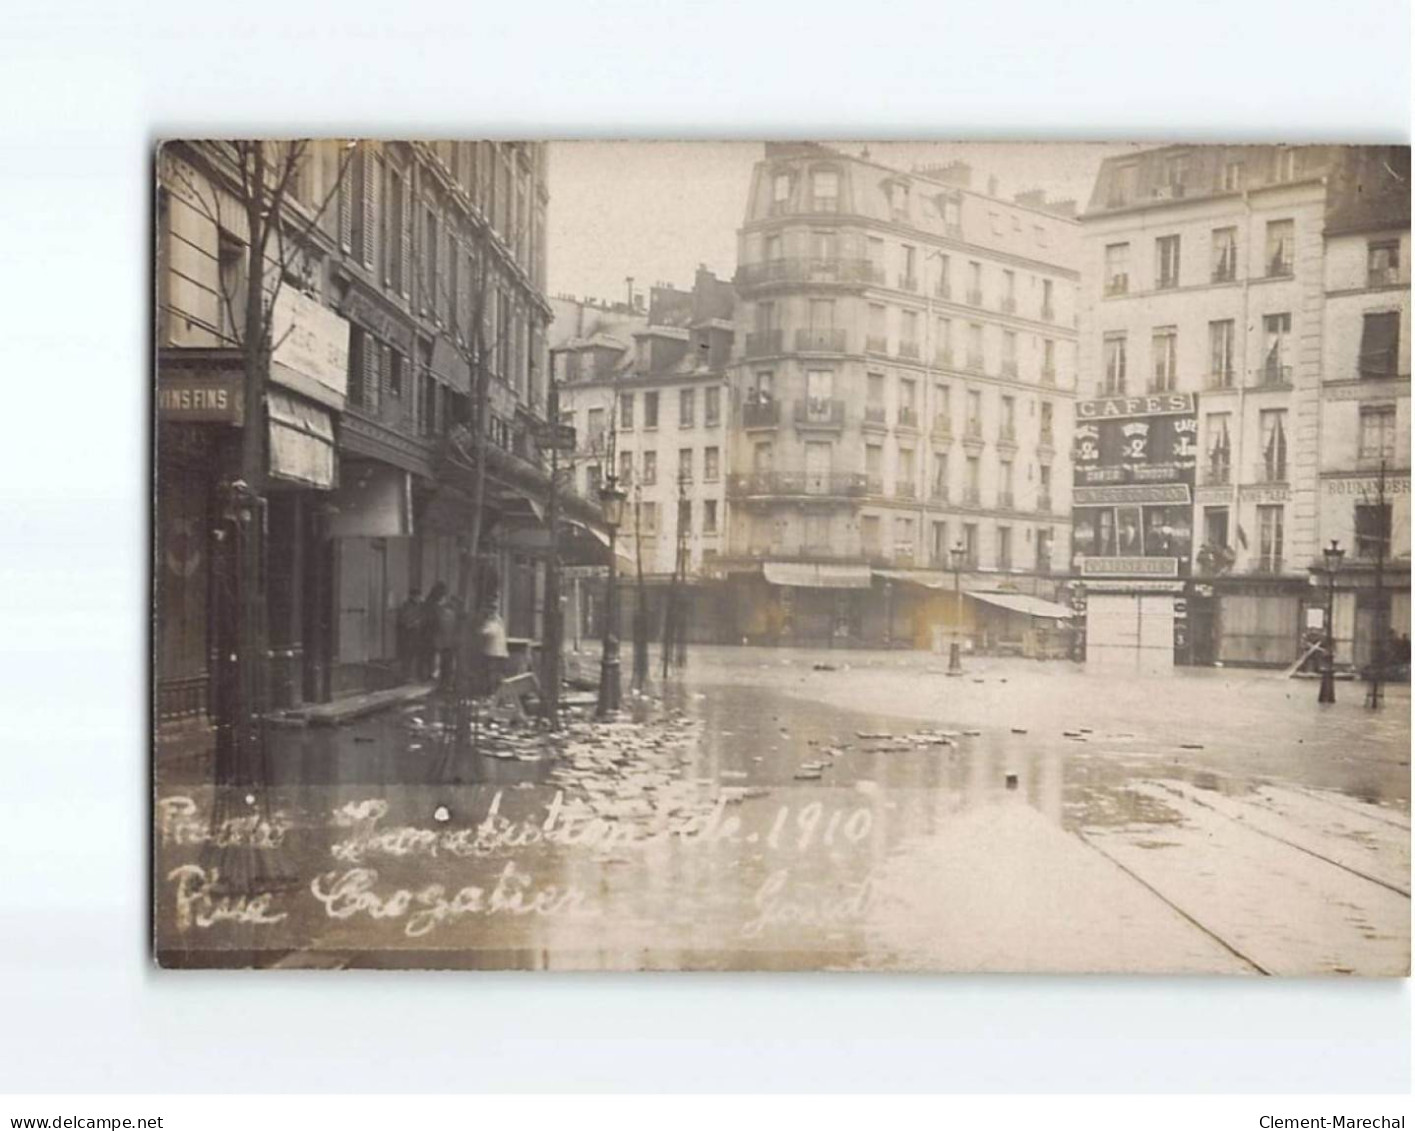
{"points": [[750, 828]]}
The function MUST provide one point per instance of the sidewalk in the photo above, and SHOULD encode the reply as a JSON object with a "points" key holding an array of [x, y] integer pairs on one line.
{"points": [[353, 706]]}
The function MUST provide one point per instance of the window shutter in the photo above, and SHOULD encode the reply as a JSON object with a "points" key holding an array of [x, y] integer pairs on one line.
{"points": [[370, 210], [440, 303], [346, 204], [405, 236], [372, 351]]}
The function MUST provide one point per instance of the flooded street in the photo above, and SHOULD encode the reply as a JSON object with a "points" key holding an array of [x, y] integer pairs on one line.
{"points": [[766, 815]]}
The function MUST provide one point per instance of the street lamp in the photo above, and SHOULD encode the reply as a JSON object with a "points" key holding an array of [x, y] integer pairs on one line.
{"points": [[611, 499], [889, 614], [955, 662], [1333, 555]]}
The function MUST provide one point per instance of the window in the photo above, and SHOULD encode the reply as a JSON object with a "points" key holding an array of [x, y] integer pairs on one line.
{"points": [[765, 317], [1383, 263], [686, 407], [906, 273], [1008, 431], [975, 412], [1117, 268], [1048, 306], [1005, 496], [685, 515], [711, 465], [1377, 433], [594, 426], [878, 342], [1221, 354], [1044, 487], [1166, 262], [975, 283], [1216, 526], [1272, 429], [1164, 353], [709, 516], [874, 252], [712, 406], [762, 457], [995, 219], [1122, 186], [952, 212], [1276, 329], [1176, 170], [1044, 540], [819, 389], [1284, 164], [648, 518], [1281, 238], [1009, 291], [939, 555], [431, 298], [626, 468], [825, 247], [874, 468], [874, 397], [1380, 344], [761, 389], [1048, 361], [904, 473], [650, 410], [395, 373], [1009, 353], [972, 480], [649, 468], [908, 395], [591, 480], [944, 346], [430, 415], [869, 535], [1270, 539], [939, 487], [903, 537], [231, 277], [397, 251], [626, 410], [825, 190], [909, 333], [945, 277], [970, 544], [1224, 255], [899, 198], [1220, 450], [975, 346], [1004, 547], [781, 188], [1232, 176], [943, 412], [1114, 350], [1048, 436], [1372, 529]]}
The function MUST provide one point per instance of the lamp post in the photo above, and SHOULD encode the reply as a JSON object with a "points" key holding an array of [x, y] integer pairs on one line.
{"points": [[1333, 555], [889, 614], [955, 662], [611, 498]]}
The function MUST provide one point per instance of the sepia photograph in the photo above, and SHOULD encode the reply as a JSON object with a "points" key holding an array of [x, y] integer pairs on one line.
{"points": [[933, 557]]}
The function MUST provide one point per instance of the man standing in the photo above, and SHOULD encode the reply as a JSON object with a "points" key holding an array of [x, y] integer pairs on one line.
{"points": [[410, 635]]}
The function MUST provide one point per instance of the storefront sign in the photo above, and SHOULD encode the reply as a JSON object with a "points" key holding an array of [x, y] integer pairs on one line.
{"points": [[1128, 566], [1130, 493], [1213, 496], [1264, 493], [192, 398], [1367, 486], [310, 348], [1106, 408]]}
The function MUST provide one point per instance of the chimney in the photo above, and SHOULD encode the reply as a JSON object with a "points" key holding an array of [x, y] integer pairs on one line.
{"points": [[629, 282], [992, 186], [1032, 198], [958, 173]]}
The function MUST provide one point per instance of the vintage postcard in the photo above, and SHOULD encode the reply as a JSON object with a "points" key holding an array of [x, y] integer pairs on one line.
{"points": [[788, 556]]}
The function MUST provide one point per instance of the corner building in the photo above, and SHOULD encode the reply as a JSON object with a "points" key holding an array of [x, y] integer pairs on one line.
{"points": [[904, 385]]}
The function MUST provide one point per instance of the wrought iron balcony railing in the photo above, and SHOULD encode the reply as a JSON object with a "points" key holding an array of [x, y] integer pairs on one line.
{"points": [[821, 341], [818, 412], [761, 414], [790, 483], [761, 343]]}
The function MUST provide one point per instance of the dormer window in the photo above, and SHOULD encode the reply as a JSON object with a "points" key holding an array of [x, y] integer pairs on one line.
{"points": [[780, 192], [825, 190]]}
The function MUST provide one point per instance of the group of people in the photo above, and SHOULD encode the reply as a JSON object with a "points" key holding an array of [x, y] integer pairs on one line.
{"points": [[428, 639]]}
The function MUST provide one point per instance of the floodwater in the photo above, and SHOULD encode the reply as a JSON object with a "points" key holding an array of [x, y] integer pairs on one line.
{"points": [[808, 809]]}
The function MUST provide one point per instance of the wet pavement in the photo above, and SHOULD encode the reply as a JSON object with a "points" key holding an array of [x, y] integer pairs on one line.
{"points": [[789, 809]]}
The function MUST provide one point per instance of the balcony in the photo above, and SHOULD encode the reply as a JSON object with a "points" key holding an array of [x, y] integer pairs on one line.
{"points": [[874, 485], [975, 297], [821, 341], [1217, 475], [1275, 375], [1378, 363], [761, 414], [801, 269], [972, 497], [1007, 434], [877, 344], [1009, 367], [823, 204], [1223, 274], [942, 428], [1268, 563], [939, 492], [904, 491], [1006, 500], [974, 431], [975, 362], [1279, 267], [1048, 375], [1009, 304], [758, 484], [1270, 471], [1048, 312], [1047, 439], [763, 343], [874, 414], [1383, 277], [944, 289], [943, 359], [908, 418], [1221, 379], [820, 412], [909, 283], [1117, 285], [909, 349]]}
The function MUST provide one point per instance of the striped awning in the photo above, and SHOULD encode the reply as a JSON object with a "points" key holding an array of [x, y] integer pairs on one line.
{"points": [[1025, 603]]}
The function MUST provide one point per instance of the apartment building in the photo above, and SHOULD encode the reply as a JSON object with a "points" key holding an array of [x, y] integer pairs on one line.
{"points": [[1207, 350], [395, 249], [904, 385], [1364, 450], [647, 395]]}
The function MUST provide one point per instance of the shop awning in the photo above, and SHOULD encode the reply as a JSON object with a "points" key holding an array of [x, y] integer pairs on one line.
{"points": [[301, 441], [815, 575], [1024, 603], [929, 580]]}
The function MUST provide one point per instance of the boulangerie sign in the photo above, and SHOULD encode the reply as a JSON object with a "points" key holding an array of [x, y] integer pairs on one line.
{"points": [[786, 556]]}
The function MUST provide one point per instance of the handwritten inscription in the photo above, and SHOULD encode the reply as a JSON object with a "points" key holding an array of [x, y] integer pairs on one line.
{"points": [[777, 906], [352, 893], [200, 904], [180, 822]]}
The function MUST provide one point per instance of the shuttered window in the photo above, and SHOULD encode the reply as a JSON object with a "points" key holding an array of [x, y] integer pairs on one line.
{"points": [[347, 184], [1380, 344]]}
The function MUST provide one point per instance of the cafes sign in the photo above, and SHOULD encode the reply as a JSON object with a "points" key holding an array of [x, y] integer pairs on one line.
{"points": [[1157, 404], [198, 398]]}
